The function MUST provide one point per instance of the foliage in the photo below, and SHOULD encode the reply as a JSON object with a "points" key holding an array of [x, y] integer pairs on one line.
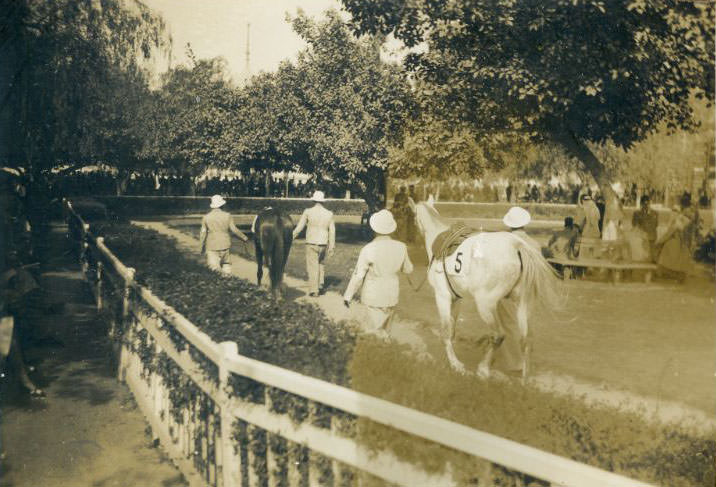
{"points": [[192, 122], [76, 79], [338, 107], [291, 335], [570, 71]]}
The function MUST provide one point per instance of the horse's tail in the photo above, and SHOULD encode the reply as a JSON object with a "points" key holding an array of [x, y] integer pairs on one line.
{"points": [[539, 282]]}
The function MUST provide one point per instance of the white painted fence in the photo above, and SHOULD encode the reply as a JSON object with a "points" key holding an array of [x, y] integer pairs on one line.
{"points": [[222, 439]]}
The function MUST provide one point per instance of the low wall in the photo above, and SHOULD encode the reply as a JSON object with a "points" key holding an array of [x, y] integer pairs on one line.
{"points": [[133, 206]]}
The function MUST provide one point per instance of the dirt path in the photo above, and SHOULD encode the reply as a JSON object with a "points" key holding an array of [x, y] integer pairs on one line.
{"points": [[424, 340], [88, 430]]}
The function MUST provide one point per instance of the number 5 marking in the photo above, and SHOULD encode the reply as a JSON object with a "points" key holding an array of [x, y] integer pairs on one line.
{"points": [[458, 262]]}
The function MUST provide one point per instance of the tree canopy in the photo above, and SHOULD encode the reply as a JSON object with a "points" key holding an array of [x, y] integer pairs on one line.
{"points": [[191, 123], [343, 106], [73, 76], [570, 71]]}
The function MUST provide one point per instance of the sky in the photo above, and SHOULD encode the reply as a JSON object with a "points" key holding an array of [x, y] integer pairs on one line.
{"points": [[218, 28]]}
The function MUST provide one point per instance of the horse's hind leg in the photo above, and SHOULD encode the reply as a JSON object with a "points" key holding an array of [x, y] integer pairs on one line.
{"points": [[449, 308], [487, 308], [259, 264], [525, 344]]}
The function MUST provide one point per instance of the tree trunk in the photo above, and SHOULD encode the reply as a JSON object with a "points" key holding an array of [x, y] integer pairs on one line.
{"points": [[267, 183], [373, 190], [591, 163]]}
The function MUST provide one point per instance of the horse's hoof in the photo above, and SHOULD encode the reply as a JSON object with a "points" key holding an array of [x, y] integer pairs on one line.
{"points": [[483, 373], [459, 368], [37, 392]]}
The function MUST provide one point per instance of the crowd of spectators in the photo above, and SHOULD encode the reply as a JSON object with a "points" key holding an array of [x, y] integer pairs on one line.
{"points": [[257, 185], [528, 192]]}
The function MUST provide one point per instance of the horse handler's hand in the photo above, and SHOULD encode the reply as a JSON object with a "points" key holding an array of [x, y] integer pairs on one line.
{"points": [[330, 252], [346, 303]]}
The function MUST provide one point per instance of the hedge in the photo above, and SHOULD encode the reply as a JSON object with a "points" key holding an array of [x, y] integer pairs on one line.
{"points": [[132, 206], [301, 338], [288, 334]]}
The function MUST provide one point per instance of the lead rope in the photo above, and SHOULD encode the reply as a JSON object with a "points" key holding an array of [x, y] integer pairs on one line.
{"points": [[410, 281]]}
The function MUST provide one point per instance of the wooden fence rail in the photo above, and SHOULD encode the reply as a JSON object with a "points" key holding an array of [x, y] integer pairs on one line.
{"points": [[220, 437]]}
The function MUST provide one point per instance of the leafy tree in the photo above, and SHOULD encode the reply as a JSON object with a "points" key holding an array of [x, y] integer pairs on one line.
{"points": [[191, 123], [570, 71], [341, 107], [74, 73], [264, 128]]}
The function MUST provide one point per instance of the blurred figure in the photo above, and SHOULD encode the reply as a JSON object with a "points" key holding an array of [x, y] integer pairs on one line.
{"points": [[644, 223], [563, 243], [673, 247], [401, 213], [588, 216], [617, 247]]}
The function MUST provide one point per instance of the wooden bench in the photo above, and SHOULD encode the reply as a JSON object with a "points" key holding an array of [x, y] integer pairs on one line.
{"points": [[615, 268]]}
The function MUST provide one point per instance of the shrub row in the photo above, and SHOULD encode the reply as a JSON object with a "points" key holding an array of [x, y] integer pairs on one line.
{"points": [[131, 206], [288, 334], [299, 337]]}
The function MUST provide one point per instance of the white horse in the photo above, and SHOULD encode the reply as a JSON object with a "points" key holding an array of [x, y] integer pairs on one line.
{"points": [[499, 270]]}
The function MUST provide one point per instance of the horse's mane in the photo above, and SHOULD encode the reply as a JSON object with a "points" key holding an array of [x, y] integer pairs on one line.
{"points": [[434, 213]]}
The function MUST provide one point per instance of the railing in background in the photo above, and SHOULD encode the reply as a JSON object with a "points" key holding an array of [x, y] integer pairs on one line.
{"points": [[251, 437]]}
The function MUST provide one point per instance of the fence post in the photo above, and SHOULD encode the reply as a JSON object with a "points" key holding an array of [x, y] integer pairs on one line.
{"points": [[84, 248], [128, 281], [100, 272], [230, 462], [125, 353]]}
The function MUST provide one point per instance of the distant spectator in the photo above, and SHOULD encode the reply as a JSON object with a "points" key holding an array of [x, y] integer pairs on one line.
{"points": [[673, 249], [645, 220], [588, 216], [535, 193], [601, 206], [563, 243]]}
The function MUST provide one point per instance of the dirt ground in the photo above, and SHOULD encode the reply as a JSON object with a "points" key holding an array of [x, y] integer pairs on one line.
{"points": [[652, 346], [88, 430]]}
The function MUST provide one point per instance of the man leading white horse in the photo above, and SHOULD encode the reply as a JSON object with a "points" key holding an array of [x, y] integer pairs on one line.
{"points": [[376, 273]]}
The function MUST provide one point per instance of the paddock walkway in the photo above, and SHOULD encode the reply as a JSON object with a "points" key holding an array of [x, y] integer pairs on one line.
{"points": [[88, 430]]}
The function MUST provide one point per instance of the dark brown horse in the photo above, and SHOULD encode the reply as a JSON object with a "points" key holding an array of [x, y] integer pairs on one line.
{"points": [[273, 235]]}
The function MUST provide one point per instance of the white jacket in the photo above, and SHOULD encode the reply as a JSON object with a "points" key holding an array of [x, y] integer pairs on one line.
{"points": [[376, 272], [321, 228]]}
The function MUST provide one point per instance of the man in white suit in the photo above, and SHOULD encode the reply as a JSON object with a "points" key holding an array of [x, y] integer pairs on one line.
{"points": [[376, 273], [320, 240]]}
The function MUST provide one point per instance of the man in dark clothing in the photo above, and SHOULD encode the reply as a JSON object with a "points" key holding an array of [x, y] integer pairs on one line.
{"points": [[562, 244], [646, 220]]}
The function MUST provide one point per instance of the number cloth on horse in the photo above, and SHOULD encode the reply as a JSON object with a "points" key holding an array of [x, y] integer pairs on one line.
{"points": [[449, 247]]}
